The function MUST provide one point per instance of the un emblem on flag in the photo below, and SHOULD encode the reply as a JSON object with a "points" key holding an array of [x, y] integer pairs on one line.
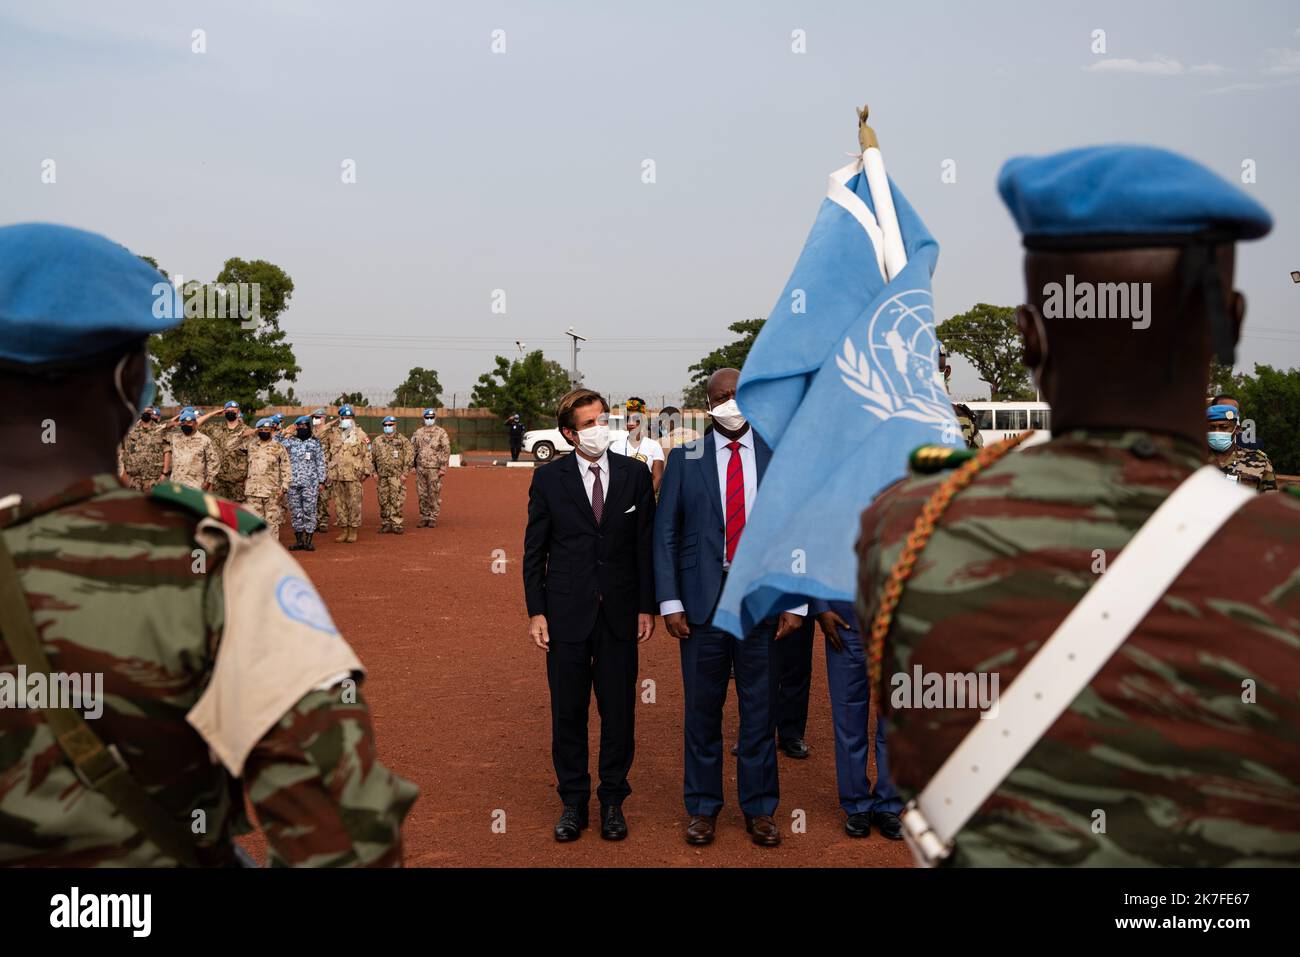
{"points": [[896, 373]]}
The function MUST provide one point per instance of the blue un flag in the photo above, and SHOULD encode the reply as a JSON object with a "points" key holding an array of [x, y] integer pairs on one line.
{"points": [[842, 384]]}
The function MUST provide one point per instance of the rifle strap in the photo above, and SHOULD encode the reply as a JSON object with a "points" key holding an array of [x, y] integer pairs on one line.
{"points": [[99, 766]]}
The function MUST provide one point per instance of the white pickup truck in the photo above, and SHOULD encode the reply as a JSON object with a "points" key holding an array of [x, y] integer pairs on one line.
{"points": [[545, 444]]}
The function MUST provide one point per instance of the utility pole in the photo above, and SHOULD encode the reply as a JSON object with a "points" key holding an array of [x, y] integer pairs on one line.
{"points": [[575, 377]]}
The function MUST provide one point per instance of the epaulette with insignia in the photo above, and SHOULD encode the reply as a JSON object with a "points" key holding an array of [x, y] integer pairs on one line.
{"points": [[927, 459], [206, 504]]}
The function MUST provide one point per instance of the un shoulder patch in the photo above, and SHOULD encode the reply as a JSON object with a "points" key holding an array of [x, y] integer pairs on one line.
{"points": [[207, 505], [927, 459]]}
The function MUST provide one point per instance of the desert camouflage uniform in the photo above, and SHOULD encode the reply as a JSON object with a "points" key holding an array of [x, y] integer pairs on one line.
{"points": [[268, 479], [96, 553], [194, 459], [970, 432], [349, 464], [1247, 466], [328, 436], [1188, 773], [140, 455], [307, 475], [432, 452], [393, 455], [231, 445]]}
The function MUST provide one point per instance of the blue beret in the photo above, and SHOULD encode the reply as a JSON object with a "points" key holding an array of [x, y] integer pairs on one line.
{"points": [[345, 410], [265, 421], [1222, 413], [232, 404], [188, 415], [1125, 191], [277, 418], [302, 420], [430, 412], [68, 295], [389, 418]]}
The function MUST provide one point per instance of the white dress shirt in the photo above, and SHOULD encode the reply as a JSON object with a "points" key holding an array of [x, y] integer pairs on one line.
{"points": [[749, 472], [589, 477]]}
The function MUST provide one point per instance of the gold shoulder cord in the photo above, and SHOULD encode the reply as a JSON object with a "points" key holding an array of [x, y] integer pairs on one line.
{"points": [[925, 525]]}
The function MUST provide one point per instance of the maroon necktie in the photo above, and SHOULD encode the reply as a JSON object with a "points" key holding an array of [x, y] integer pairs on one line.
{"points": [[597, 494], [735, 500]]}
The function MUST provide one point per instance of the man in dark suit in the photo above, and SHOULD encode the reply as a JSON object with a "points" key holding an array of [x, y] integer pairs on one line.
{"points": [[589, 584], [708, 489]]}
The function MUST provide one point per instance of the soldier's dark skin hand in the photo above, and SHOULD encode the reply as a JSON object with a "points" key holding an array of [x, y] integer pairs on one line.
{"points": [[677, 625], [830, 624], [787, 623]]}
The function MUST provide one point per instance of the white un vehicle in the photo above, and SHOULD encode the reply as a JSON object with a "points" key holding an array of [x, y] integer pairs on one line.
{"points": [[1002, 420]]}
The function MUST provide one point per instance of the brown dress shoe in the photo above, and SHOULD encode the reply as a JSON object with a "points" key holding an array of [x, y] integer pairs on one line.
{"points": [[764, 830], [701, 829]]}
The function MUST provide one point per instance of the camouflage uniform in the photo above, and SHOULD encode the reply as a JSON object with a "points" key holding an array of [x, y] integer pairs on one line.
{"points": [[328, 436], [349, 465], [140, 456], [230, 440], [432, 452], [268, 479], [1188, 773], [970, 432], [194, 460], [313, 778], [307, 475], [392, 455], [1247, 466]]}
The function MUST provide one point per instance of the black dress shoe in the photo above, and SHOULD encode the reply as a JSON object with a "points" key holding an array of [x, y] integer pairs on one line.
{"points": [[888, 824], [701, 829], [571, 824], [796, 748], [613, 826], [858, 825]]}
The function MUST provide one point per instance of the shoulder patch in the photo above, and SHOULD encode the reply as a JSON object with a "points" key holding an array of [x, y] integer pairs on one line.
{"points": [[927, 459], [207, 505]]}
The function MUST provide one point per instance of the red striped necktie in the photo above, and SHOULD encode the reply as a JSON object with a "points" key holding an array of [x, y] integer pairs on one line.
{"points": [[735, 499]]}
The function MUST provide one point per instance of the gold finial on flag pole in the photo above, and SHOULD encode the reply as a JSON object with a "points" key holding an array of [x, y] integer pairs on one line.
{"points": [[866, 135]]}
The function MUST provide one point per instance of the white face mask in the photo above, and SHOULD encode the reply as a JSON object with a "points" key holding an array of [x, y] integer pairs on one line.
{"points": [[594, 441], [728, 416], [429, 420], [317, 422], [345, 423]]}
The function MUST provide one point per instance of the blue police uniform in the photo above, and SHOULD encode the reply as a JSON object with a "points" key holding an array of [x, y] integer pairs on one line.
{"points": [[307, 474]]}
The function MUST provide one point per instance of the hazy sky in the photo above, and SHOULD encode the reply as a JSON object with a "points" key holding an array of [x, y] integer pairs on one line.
{"points": [[522, 171]]}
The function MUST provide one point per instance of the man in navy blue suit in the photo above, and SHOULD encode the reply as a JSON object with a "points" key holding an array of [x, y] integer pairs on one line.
{"points": [[588, 582], [708, 489], [846, 676]]}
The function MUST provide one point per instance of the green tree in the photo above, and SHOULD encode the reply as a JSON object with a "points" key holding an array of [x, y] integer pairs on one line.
{"points": [[1223, 380], [276, 397], [421, 388], [1270, 403], [352, 398], [987, 336], [730, 356], [531, 386], [208, 359]]}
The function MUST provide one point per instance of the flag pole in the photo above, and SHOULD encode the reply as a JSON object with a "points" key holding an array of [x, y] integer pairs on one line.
{"points": [[873, 165]]}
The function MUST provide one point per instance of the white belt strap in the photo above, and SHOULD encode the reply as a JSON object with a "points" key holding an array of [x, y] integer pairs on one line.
{"points": [[1090, 634]]}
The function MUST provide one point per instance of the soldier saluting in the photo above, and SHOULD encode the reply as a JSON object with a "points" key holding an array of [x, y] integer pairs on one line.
{"points": [[236, 658], [1147, 710]]}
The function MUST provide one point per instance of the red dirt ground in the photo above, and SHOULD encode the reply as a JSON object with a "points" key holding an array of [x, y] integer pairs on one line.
{"points": [[460, 703]]}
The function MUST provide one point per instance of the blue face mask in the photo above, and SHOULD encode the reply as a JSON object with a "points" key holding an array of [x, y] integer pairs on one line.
{"points": [[1220, 441], [390, 429]]}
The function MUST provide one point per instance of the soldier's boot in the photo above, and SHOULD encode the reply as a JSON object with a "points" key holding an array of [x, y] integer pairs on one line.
{"points": [[343, 535], [307, 546], [297, 541], [398, 530], [352, 535]]}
